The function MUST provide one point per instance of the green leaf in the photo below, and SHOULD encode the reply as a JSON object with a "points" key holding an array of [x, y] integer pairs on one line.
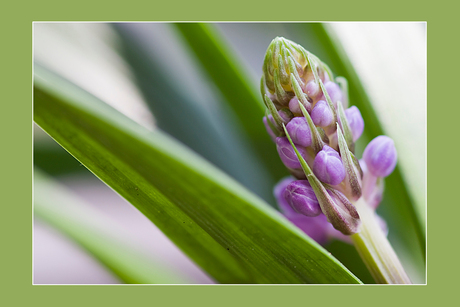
{"points": [[234, 84], [61, 208], [232, 234]]}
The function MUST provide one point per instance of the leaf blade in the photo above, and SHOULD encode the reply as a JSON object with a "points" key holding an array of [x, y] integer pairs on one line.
{"points": [[225, 229]]}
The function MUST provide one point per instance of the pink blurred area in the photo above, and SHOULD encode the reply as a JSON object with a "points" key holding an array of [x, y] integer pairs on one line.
{"points": [[59, 260]]}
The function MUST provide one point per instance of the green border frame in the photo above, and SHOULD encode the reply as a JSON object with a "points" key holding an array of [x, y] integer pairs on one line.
{"points": [[16, 224]]}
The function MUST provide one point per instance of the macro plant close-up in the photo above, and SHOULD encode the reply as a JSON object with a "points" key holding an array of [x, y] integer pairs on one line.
{"points": [[229, 153]]}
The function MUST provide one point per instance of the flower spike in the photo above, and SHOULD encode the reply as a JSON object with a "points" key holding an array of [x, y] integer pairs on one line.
{"points": [[330, 194]]}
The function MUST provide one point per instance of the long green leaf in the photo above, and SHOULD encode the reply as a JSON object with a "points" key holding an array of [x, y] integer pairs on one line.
{"points": [[229, 232], [227, 74], [93, 231]]}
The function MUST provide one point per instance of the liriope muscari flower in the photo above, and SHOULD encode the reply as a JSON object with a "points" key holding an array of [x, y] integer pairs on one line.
{"points": [[315, 134], [306, 118], [305, 113]]}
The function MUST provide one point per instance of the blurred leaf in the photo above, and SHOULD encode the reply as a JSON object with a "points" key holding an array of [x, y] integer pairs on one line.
{"points": [[89, 228], [226, 230], [200, 122], [238, 89]]}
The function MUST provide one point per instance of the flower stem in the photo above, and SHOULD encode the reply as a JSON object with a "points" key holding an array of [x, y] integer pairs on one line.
{"points": [[375, 250]]}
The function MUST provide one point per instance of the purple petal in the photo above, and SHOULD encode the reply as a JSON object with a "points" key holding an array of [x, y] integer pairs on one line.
{"points": [[355, 121], [299, 131], [334, 91], [380, 156], [328, 166], [312, 90], [287, 153], [321, 114], [294, 106], [300, 195]]}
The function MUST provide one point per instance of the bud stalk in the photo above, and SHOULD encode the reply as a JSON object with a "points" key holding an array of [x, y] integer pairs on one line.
{"points": [[375, 250]]}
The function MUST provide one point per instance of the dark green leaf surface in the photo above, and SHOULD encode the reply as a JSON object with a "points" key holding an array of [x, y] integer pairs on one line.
{"points": [[229, 232], [92, 230]]}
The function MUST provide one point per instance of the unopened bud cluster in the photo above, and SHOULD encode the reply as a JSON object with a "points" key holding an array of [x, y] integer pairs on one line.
{"points": [[314, 132]]}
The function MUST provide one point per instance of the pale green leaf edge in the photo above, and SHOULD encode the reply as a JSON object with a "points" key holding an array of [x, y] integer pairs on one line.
{"points": [[63, 210]]}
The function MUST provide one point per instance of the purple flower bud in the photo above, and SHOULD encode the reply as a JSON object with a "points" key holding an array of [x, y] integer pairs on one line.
{"points": [[312, 89], [380, 156], [294, 106], [355, 121], [321, 114], [334, 91], [317, 228], [287, 153], [299, 131], [328, 166], [300, 195], [268, 128]]}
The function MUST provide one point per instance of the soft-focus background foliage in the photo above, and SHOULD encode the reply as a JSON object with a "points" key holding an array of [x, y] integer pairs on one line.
{"points": [[151, 73]]}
